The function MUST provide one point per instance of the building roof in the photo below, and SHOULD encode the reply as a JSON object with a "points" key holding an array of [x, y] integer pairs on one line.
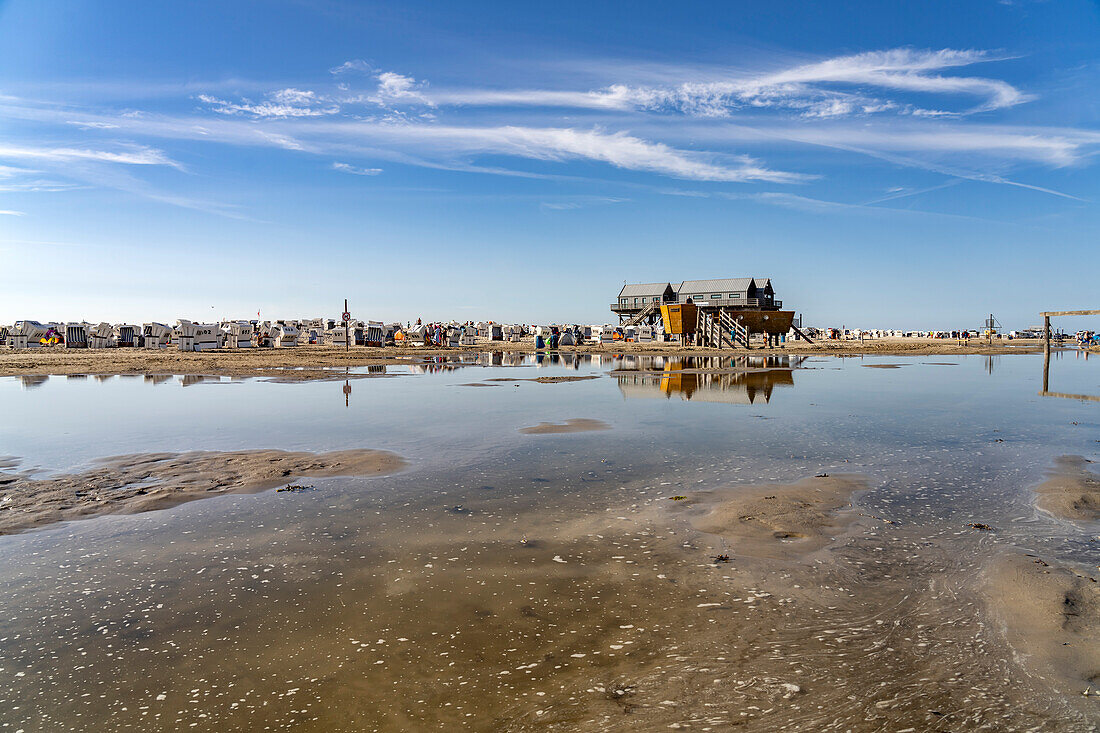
{"points": [[762, 282], [644, 289], [732, 285]]}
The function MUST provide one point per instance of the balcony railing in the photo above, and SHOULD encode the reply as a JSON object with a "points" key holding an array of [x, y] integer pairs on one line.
{"points": [[723, 302]]}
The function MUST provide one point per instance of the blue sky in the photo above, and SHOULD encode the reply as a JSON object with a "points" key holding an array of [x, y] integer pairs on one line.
{"points": [[886, 164]]}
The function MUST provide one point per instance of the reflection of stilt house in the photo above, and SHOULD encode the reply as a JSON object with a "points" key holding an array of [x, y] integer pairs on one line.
{"points": [[706, 379], [713, 313]]}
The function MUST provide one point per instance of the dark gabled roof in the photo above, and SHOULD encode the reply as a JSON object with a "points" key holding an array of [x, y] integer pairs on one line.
{"points": [[644, 289]]}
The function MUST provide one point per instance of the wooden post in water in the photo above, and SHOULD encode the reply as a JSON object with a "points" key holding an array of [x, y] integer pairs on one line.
{"points": [[1046, 339], [1046, 370]]}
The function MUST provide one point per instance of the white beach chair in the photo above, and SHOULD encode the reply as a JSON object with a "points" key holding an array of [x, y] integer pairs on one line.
{"points": [[156, 335], [101, 336], [76, 335], [286, 335], [127, 335]]}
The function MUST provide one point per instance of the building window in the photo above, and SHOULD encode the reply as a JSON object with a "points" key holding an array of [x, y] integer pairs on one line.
{"points": [[656, 300], [635, 301], [717, 296], [735, 295]]}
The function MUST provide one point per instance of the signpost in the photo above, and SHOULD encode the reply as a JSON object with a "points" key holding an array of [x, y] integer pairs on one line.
{"points": [[347, 319]]}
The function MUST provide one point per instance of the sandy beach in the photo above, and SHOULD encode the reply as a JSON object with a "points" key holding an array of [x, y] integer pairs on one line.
{"points": [[325, 362]]}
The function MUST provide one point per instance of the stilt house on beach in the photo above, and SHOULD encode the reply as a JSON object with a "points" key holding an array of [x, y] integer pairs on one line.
{"points": [[706, 312]]}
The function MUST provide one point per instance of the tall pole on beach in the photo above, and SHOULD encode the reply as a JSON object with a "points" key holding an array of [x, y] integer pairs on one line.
{"points": [[346, 314]]}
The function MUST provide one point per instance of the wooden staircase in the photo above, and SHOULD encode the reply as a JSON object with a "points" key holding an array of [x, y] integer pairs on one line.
{"points": [[644, 313], [740, 334], [721, 331], [800, 334]]}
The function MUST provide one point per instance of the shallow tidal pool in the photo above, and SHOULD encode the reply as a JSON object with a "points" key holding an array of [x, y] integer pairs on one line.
{"points": [[513, 578]]}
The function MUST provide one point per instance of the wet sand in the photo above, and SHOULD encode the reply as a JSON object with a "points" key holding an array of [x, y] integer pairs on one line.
{"points": [[150, 481], [546, 611], [1072, 490], [1051, 616], [547, 380], [785, 521], [573, 425], [318, 362]]}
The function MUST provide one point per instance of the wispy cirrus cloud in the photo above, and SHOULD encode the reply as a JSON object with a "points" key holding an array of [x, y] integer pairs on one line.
{"points": [[912, 108], [27, 180], [93, 125], [453, 146], [621, 150], [288, 102], [353, 66], [136, 155], [618, 149], [37, 186], [346, 168], [1050, 146], [580, 202], [11, 212], [836, 87]]}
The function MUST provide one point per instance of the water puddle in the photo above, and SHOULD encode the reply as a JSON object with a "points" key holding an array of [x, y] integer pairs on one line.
{"points": [[784, 546]]}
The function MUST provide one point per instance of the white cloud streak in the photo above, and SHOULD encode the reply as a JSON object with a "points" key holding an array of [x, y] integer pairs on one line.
{"points": [[449, 145], [136, 156], [799, 104], [352, 66], [346, 168], [809, 90], [1049, 146], [281, 103], [93, 125], [618, 149]]}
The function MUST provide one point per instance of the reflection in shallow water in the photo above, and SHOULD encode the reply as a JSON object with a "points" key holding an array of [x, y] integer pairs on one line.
{"points": [[517, 582], [1047, 392], [735, 380]]}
